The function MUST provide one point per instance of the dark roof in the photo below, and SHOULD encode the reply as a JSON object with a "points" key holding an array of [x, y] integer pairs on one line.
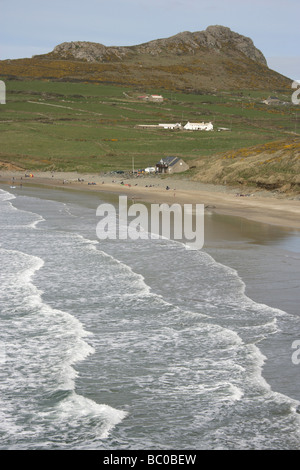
{"points": [[170, 161]]}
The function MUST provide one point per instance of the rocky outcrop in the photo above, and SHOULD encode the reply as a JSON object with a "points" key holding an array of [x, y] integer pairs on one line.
{"points": [[89, 51], [217, 38]]}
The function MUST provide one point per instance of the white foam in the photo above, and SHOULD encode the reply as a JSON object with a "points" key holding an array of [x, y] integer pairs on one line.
{"points": [[78, 408], [246, 301], [36, 222], [32, 224], [76, 348], [224, 391], [138, 281], [6, 196], [236, 393]]}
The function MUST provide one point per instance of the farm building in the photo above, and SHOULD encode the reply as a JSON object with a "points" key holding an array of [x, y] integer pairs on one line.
{"points": [[157, 98], [199, 126], [147, 126], [171, 165], [171, 126]]}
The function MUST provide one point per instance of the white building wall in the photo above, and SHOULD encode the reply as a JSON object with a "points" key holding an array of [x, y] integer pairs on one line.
{"points": [[199, 126], [170, 126]]}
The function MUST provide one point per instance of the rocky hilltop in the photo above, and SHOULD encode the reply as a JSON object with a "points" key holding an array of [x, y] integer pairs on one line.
{"points": [[210, 60], [216, 38]]}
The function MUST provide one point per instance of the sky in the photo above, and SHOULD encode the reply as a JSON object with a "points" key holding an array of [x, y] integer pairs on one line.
{"points": [[36, 26]]}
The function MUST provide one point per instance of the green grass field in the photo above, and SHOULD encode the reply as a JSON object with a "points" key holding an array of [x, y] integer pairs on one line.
{"points": [[91, 128]]}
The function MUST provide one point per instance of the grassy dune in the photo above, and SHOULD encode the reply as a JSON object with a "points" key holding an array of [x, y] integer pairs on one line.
{"points": [[275, 165]]}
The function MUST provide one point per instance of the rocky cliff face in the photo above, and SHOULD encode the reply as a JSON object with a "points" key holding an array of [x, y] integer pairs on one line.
{"points": [[216, 38]]}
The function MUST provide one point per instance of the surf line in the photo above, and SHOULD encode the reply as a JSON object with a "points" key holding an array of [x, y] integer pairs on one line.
{"points": [[185, 225]]}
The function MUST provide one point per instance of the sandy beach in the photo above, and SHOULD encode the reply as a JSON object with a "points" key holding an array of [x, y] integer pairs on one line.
{"points": [[261, 206]]}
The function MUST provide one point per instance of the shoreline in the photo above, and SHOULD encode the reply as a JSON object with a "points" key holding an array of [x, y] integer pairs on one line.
{"points": [[259, 206]]}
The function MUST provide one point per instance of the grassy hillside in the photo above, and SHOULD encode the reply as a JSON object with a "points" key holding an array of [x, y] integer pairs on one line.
{"points": [[91, 128], [210, 71]]}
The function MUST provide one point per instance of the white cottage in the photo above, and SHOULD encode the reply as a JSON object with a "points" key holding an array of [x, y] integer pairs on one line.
{"points": [[199, 126]]}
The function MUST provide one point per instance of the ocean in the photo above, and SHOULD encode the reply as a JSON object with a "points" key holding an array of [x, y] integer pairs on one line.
{"points": [[145, 344]]}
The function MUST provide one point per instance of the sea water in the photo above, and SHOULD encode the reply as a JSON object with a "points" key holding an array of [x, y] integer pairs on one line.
{"points": [[122, 344]]}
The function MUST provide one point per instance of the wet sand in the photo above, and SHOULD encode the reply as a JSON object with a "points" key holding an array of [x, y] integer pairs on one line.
{"points": [[259, 206]]}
